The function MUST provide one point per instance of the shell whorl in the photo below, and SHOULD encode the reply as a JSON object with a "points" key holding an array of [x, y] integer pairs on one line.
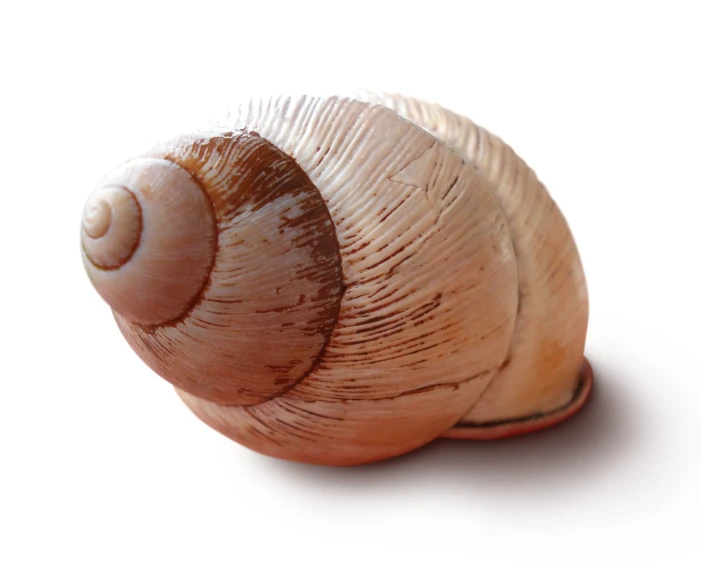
{"points": [[542, 369], [148, 238], [429, 299], [111, 227], [237, 266]]}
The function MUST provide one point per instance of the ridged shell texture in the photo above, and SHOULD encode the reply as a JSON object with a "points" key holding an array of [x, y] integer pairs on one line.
{"points": [[368, 274]]}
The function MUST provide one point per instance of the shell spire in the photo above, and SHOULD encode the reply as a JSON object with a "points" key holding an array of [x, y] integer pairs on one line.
{"points": [[148, 237], [219, 259]]}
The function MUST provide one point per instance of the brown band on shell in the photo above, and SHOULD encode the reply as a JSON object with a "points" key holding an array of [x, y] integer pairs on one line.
{"points": [[266, 314]]}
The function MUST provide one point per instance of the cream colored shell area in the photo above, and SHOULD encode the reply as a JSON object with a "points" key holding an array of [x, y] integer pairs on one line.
{"points": [[542, 368], [430, 297], [169, 241]]}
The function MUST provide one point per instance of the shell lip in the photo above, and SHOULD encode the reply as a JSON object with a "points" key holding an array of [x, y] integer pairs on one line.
{"points": [[527, 424]]}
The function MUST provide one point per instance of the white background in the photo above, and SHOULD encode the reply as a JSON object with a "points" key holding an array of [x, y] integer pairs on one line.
{"points": [[105, 476]]}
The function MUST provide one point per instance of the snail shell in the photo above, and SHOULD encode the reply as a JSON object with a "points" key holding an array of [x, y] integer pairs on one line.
{"points": [[338, 281]]}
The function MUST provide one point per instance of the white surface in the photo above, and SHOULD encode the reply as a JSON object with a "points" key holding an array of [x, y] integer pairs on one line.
{"points": [[106, 477]]}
